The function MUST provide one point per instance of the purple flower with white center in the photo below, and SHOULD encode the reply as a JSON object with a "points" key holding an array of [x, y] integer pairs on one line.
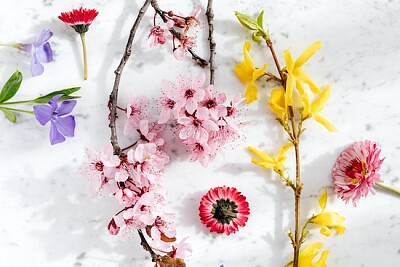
{"points": [[61, 125], [41, 52]]}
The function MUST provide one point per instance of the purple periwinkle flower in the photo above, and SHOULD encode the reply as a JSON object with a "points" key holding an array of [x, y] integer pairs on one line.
{"points": [[61, 125], [41, 52]]}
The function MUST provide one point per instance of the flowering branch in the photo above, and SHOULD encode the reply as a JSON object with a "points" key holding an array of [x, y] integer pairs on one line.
{"points": [[113, 106], [200, 61], [210, 19], [118, 72]]}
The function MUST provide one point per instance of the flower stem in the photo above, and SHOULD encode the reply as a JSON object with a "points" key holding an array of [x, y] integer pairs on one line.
{"points": [[210, 19], [20, 110], [18, 102], [389, 187], [297, 188], [17, 46], [85, 67]]}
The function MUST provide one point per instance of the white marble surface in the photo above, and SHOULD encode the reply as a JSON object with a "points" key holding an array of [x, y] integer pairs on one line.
{"points": [[49, 219]]}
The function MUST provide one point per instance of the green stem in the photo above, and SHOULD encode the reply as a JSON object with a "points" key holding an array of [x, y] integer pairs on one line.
{"points": [[18, 102], [21, 110], [85, 67], [389, 187], [17, 46]]}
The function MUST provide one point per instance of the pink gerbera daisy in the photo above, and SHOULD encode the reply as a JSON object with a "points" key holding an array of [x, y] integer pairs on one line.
{"points": [[223, 210], [356, 171]]}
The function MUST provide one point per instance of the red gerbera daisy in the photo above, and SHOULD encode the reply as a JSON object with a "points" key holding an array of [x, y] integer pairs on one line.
{"points": [[79, 19], [223, 210]]}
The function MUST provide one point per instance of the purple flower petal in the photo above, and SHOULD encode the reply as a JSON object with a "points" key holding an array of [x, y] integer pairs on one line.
{"points": [[27, 47], [44, 37], [66, 125], [55, 136], [44, 53], [36, 67], [43, 113], [53, 101], [66, 107]]}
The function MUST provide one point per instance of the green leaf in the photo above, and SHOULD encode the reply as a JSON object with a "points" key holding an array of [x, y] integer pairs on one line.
{"points": [[11, 87], [257, 36], [10, 115], [260, 20], [65, 92], [247, 21]]}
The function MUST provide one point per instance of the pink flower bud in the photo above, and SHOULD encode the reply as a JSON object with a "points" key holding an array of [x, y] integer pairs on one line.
{"points": [[113, 228]]}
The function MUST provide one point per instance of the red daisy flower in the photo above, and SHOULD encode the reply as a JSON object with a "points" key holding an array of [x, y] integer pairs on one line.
{"points": [[79, 19], [223, 210]]}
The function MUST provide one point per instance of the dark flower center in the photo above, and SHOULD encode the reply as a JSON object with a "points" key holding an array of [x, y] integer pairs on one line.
{"points": [[169, 103], [211, 103], [189, 93], [99, 166], [224, 211], [196, 122], [356, 166]]}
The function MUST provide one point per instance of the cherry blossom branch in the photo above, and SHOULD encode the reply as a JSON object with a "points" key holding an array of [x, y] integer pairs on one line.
{"points": [[200, 61], [118, 72], [113, 105], [210, 19]]}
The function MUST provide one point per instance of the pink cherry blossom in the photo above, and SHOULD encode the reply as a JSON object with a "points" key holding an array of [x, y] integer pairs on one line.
{"points": [[113, 228], [171, 102], [134, 112], [357, 170], [198, 151], [197, 127], [181, 250], [126, 197], [166, 224], [150, 133], [213, 102], [191, 91]]}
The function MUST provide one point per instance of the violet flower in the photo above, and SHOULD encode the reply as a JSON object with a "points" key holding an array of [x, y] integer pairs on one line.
{"points": [[61, 125], [41, 52]]}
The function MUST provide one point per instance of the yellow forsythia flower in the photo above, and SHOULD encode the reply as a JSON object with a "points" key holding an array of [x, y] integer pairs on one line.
{"points": [[309, 253], [277, 103], [266, 161], [313, 109], [296, 73], [248, 74], [328, 220]]}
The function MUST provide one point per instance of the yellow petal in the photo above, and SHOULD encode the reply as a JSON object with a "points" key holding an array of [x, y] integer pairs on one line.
{"points": [[302, 76], [328, 219], [325, 231], [307, 54], [277, 103], [308, 254], [289, 90], [246, 53], [243, 72], [261, 155], [321, 100], [305, 100], [322, 260], [288, 60], [264, 164], [282, 152], [340, 229], [329, 126], [259, 72], [322, 199], [251, 93]]}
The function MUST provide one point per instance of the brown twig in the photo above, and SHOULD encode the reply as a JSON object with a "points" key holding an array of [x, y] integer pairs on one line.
{"points": [[200, 61], [113, 103], [118, 72], [295, 139], [210, 19]]}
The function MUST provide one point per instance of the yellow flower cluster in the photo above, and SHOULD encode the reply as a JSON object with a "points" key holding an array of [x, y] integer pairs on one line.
{"points": [[308, 254], [281, 98]]}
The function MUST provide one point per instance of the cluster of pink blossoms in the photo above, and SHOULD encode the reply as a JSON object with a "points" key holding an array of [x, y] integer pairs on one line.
{"points": [[202, 119], [134, 180], [180, 27]]}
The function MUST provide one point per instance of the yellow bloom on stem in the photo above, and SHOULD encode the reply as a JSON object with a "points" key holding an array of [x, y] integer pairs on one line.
{"points": [[266, 161], [296, 73], [248, 74], [313, 109], [309, 253], [277, 103], [328, 220]]}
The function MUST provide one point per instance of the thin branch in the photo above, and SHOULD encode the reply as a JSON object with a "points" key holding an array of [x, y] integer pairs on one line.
{"points": [[154, 256], [118, 72], [210, 19], [200, 61]]}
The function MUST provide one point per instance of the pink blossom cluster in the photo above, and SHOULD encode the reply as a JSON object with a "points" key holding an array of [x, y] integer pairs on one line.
{"points": [[202, 119], [180, 27], [134, 180]]}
